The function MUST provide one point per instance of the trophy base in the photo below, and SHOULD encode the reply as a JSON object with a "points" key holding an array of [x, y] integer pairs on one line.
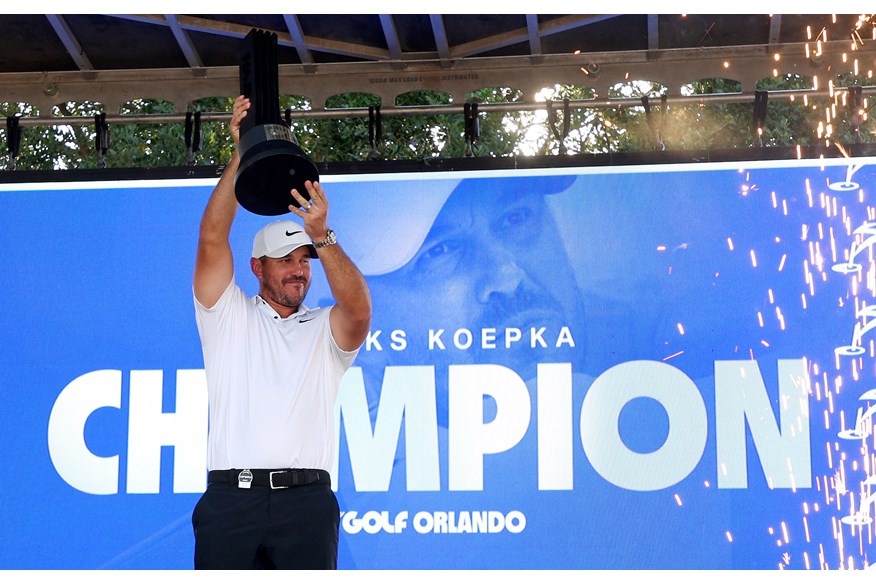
{"points": [[271, 165]]}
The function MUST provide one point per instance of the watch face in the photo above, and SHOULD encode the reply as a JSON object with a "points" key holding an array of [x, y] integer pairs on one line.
{"points": [[330, 239]]}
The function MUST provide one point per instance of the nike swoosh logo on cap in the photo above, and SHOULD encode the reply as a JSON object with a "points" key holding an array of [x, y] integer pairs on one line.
{"points": [[293, 233]]}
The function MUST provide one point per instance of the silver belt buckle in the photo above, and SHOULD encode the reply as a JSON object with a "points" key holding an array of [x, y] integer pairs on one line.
{"points": [[271, 479], [244, 479]]}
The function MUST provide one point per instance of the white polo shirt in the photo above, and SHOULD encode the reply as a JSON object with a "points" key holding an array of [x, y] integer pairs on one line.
{"points": [[272, 383]]}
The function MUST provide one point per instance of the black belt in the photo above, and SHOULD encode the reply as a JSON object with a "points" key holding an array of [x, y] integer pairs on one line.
{"points": [[275, 479]]}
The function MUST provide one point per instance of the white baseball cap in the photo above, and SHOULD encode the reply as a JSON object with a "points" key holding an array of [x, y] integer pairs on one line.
{"points": [[382, 237], [279, 239]]}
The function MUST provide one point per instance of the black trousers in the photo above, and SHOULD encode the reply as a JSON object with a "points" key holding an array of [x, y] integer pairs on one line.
{"points": [[264, 528]]}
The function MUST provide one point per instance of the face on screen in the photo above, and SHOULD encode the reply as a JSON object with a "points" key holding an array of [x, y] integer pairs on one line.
{"points": [[491, 270]]}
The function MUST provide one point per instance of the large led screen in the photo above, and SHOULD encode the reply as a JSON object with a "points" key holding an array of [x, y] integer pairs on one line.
{"points": [[639, 367]]}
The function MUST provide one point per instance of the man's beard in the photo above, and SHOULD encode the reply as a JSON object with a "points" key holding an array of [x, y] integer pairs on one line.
{"points": [[276, 292], [530, 307]]}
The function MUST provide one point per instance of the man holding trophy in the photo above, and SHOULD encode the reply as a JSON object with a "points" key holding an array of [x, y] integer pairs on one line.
{"points": [[273, 370]]}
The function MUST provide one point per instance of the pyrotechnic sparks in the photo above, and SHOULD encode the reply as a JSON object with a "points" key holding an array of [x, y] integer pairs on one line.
{"points": [[832, 212], [834, 240]]}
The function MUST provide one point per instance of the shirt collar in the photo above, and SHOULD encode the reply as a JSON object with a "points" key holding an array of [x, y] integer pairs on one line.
{"points": [[258, 301]]}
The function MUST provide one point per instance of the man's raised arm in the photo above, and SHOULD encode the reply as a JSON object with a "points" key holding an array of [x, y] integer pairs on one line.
{"points": [[351, 315], [214, 264]]}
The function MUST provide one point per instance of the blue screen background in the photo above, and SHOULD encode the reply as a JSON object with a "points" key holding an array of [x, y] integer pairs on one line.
{"points": [[682, 265]]}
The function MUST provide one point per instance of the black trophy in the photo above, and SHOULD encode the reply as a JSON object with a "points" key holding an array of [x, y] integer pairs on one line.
{"points": [[271, 161]]}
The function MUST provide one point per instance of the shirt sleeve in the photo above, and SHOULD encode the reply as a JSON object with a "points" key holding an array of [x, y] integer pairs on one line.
{"points": [[345, 358], [217, 320]]}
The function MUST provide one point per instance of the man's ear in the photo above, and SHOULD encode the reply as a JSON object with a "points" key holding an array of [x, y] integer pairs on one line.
{"points": [[255, 265]]}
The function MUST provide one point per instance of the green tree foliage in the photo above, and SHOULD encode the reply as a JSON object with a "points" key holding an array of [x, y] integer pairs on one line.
{"points": [[405, 137], [136, 145], [565, 126], [732, 125], [50, 147]]}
